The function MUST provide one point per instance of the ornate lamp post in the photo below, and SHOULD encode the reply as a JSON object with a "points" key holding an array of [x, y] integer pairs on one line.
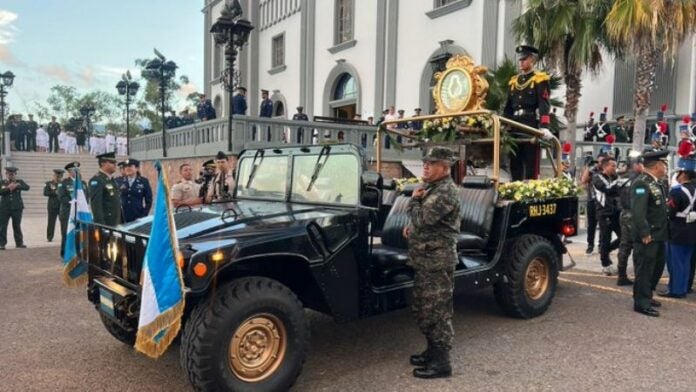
{"points": [[6, 80], [163, 71], [128, 88], [233, 32]]}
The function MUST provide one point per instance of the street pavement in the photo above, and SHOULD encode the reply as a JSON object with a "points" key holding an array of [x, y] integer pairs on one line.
{"points": [[590, 339]]}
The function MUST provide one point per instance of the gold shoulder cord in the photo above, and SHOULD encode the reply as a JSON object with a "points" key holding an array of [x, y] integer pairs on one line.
{"points": [[537, 78]]}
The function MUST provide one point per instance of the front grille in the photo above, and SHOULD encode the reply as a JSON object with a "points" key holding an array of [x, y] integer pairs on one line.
{"points": [[181, 220], [117, 254]]}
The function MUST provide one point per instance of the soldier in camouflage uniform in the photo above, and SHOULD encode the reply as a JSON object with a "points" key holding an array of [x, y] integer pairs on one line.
{"points": [[434, 213], [626, 239], [51, 191], [650, 230]]}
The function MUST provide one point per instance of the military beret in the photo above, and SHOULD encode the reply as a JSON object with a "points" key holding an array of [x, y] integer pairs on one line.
{"points": [[59, 171], [11, 169], [132, 162], [439, 154], [72, 165]]}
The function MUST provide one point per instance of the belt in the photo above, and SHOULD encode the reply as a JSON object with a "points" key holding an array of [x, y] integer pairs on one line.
{"points": [[524, 112]]}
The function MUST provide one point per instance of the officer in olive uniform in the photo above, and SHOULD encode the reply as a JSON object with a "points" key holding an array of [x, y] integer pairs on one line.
{"points": [[65, 195], [51, 191], [136, 194], [650, 230], [104, 197], [434, 213], [11, 207]]}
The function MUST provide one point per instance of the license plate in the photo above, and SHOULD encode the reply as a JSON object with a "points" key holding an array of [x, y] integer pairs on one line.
{"points": [[106, 302]]}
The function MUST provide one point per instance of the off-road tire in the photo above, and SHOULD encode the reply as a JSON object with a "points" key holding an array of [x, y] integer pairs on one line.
{"points": [[123, 335], [205, 343], [510, 293]]}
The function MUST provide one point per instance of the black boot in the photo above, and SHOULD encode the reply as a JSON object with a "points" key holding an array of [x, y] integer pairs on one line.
{"points": [[623, 281], [423, 358], [438, 367]]}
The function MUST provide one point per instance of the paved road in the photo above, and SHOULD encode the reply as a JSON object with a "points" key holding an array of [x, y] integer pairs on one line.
{"points": [[589, 340]]}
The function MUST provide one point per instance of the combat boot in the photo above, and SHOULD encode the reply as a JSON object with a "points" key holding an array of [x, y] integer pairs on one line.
{"points": [[623, 281], [438, 367], [423, 358]]}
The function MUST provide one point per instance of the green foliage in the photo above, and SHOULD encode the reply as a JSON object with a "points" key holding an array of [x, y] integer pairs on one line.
{"points": [[498, 84], [65, 102], [150, 106]]}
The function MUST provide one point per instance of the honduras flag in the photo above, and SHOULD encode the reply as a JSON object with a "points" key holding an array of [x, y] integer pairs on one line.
{"points": [[162, 297], [75, 270]]}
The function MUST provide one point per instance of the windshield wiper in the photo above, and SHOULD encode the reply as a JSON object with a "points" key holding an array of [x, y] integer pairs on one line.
{"points": [[319, 165], [255, 166]]}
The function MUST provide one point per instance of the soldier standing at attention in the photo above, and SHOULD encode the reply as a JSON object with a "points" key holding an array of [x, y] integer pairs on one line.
{"points": [[626, 239], [51, 191], [103, 192], [136, 194], [11, 206], [53, 130], [32, 126], [65, 195], [528, 103], [650, 230], [434, 213]]}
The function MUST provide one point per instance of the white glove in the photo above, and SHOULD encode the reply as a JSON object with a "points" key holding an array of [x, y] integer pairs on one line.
{"points": [[547, 135]]}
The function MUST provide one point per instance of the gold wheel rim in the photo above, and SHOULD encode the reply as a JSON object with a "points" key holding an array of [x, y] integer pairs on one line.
{"points": [[257, 348], [536, 279]]}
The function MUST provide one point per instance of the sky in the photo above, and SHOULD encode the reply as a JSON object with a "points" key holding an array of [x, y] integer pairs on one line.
{"points": [[89, 44]]}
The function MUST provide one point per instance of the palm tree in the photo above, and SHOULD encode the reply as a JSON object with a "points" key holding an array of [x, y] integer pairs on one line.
{"points": [[570, 36], [649, 30]]}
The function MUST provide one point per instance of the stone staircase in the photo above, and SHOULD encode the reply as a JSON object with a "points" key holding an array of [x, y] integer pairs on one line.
{"points": [[35, 168]]}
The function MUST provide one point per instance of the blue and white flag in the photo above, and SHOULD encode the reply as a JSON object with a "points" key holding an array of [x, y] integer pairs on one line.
{"points": [[75, 270], [162, 297]]}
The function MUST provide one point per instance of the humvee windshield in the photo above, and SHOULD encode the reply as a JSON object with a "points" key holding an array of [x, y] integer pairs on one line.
{"points": [[337, 180]]}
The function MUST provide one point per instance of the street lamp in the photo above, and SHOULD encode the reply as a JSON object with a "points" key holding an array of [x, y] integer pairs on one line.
{"points": [[163, 71], [128, 88], [233, 32], [6, 80]]}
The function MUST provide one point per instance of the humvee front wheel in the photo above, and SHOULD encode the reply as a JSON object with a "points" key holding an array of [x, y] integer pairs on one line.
{"points": [[251, 335], [123, 335], [531, 277]]}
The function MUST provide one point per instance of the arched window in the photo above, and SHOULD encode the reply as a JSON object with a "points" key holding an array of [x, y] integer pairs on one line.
{"points": [[344, 97], [279, 109]]}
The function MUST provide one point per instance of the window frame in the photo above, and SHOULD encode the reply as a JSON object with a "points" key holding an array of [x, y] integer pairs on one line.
{"points": [[339, 36], [274, 40]]}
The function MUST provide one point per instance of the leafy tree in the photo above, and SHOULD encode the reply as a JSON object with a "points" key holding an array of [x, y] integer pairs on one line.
{"points": [[569, 35], [65, 103], [150, 105], [649, 30]]}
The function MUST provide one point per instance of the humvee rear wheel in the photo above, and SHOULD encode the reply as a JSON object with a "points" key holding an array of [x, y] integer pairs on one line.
{"points": [[531, 277], [250, 336]]}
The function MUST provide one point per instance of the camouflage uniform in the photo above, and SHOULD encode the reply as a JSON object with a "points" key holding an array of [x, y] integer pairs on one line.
{"points": [[435, 221]]}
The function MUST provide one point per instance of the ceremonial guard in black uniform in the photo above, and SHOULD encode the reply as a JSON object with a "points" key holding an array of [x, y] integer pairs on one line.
{"points": [[11, 207], [528, 103], [104, 197], [606, 195], [53, 129], [32, 127], [51, 191], [136, 194], [601, 130], [65, 195], [650, 230], [682, 225], [588, 135], [635, 168]]}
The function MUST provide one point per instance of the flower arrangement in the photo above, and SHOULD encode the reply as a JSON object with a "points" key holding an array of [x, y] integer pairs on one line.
{"points": [[449, 129], [534, 190], [401, 182]]}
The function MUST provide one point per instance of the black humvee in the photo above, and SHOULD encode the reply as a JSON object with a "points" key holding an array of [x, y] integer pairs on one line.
{"points": [[311, 227]]}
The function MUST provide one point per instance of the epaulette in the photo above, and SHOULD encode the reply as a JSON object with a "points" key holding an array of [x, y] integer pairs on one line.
{"points": [[541, 76]]}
